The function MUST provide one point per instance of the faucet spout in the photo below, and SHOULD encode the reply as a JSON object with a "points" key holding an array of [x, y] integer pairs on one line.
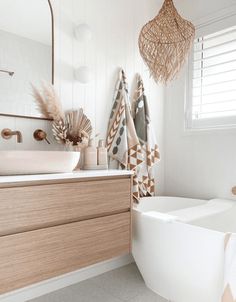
{"points": [[8, 133], [18, 135]]}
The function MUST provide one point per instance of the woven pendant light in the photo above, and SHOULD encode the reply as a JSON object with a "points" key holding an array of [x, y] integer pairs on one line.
{"points": [[165, 42]]}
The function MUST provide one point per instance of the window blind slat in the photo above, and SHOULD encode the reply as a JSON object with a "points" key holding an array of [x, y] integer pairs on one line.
{"points": [[214, 47], [214, 74], [215, 112], [215, 93], [227, 113], [215, 56], [215, 65], [216, 83], [213, 103], [222, 34]]}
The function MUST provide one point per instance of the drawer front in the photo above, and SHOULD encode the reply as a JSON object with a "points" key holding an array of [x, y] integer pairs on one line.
{"points": [[34, 256], [33, 207]]}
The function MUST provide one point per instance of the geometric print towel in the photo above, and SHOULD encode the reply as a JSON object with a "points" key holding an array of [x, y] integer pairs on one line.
{"points": [[122, 141], [144, 130]]}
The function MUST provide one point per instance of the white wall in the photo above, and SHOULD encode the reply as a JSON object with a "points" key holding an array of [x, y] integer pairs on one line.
{"points": [[115, 26], [201, 164]]}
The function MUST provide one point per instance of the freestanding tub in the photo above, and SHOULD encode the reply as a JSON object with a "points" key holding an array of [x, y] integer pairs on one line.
{"points": [[178, 245]]}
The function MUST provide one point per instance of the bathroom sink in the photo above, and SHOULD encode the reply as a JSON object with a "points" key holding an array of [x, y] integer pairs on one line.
{"points": [[37, 162]]}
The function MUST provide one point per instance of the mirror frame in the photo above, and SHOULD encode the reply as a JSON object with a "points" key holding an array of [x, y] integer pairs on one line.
{"points": [[52, 70]]}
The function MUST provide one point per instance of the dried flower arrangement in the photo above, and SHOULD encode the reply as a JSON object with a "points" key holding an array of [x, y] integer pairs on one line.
{"points": [[71, 128]]}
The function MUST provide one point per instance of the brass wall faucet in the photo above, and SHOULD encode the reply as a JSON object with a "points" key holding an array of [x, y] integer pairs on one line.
{"points": [[8, 133], [40, 135]]}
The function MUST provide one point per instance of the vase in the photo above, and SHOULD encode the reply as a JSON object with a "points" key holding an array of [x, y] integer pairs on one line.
{"points": [[75, 148]]}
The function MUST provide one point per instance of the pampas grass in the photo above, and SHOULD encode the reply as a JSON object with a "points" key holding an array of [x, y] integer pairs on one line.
{"points": [[48, 102], [40, 102]]}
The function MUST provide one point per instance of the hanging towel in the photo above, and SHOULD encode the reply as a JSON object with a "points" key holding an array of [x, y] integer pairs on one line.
{"points": [[122, 141], [229, 294], [147, 141]]}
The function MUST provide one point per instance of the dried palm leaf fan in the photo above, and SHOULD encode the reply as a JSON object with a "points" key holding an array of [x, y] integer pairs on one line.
{"points": [[165, 41], [74, 130]]}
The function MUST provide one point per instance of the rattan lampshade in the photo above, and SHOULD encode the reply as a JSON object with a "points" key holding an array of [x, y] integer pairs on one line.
{"points": [[165, 41]]}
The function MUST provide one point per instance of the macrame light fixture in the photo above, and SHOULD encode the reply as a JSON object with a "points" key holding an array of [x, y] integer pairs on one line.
{"points": [[165, 42]]}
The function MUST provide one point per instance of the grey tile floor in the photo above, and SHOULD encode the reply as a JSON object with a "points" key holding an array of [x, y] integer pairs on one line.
{"points": [[121, 285]]}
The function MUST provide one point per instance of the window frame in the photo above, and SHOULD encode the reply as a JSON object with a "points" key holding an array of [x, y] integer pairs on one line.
{"points": [[228, 122]]}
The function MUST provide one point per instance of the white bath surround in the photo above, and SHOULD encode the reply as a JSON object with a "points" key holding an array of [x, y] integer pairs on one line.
{"points": [[178, 245]]}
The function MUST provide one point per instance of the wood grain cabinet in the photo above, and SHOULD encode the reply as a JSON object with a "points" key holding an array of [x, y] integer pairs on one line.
{"points": [[50, 229]]}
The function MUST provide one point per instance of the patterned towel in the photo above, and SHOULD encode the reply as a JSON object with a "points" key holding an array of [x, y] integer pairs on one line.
{"points": [[230, 269], [147, 141], [122, 141]]}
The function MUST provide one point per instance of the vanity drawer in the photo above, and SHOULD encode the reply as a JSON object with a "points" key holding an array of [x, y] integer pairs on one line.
{"points": [[33, 207], [34, 256]]}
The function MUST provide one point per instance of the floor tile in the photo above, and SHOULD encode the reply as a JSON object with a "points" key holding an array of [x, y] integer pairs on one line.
{"points": [[121, 285], [85, 291], [147, 296], [124, 283]]}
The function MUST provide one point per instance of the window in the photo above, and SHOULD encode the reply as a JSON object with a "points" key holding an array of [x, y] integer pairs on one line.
{"points": [[212, 82]]}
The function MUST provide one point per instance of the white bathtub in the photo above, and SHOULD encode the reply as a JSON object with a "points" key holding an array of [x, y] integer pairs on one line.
{"points": [[178, 245]]}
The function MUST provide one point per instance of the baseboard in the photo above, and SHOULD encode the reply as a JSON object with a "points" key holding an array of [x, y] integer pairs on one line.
{"points": [[48, 286]]}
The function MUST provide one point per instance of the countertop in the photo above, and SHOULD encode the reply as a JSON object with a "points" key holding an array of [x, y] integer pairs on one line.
{"points": [[81, 174]]}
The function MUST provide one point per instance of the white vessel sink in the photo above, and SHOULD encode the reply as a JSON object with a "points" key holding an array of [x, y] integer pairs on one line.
{"points": [[37, 162]]}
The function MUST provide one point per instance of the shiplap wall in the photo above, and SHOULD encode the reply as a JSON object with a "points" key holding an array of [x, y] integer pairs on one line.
{"points": [[115, 26]]}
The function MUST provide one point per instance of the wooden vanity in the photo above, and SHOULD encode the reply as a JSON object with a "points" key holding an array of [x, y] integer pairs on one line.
{"points": [[52, 226]]}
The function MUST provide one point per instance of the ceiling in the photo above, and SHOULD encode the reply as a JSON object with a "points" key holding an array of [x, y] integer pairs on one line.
{"points": [[27, 18], [196, 9]]}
